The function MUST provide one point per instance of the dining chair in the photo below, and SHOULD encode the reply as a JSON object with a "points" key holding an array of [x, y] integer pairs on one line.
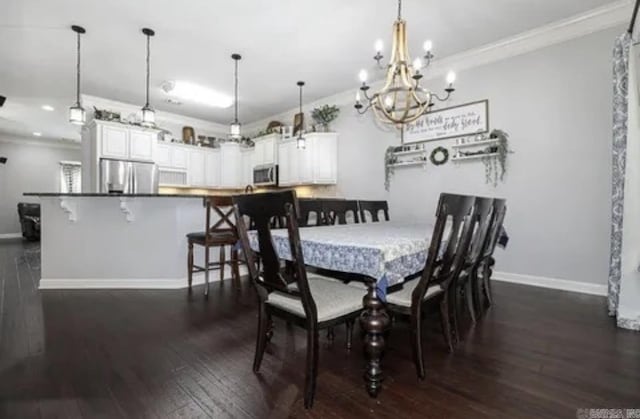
{"points": [[336, 211], [446, 254], [487, 261], [373, 208], [304, 299], [466, 281], [220, 234], [311, 212]]}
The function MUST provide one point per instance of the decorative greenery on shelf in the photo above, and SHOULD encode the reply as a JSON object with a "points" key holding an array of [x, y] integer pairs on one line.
{"points": [[324, 115], [495, 167], [389, 159]]}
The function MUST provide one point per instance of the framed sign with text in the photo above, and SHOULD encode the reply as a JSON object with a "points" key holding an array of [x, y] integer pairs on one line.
{"points": [[456, 121]]}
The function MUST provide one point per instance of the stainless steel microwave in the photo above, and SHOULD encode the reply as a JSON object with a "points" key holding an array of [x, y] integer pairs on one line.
{"points": [[265, 175]]}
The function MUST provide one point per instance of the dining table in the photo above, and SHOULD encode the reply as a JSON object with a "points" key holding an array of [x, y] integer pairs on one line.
{"points": [[381, 254]]}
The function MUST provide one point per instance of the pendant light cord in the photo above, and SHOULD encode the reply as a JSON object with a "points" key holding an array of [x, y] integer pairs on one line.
{"points": [[236, 92], [78, 70], [148, 60], [399, 9], [300, 84]]}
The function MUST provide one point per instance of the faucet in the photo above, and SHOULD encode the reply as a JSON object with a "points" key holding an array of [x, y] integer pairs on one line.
{"points": [[248, 189]]}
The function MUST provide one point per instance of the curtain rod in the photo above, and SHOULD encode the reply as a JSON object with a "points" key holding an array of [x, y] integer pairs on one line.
{"points": [[633, 18]]}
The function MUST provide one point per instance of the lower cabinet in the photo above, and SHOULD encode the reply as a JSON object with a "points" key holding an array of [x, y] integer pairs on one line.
{"points": [[316, 164]]}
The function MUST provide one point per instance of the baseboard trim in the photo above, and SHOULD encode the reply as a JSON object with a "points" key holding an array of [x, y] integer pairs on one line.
{"points": [[553, 283], [10, 236], [131, 283]]}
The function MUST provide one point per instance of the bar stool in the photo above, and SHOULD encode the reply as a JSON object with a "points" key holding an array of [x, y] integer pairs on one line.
{"points": [[220, 234]]}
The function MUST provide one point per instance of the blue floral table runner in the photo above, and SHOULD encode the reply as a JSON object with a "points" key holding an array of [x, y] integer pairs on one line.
{"points": [[385, 251]]}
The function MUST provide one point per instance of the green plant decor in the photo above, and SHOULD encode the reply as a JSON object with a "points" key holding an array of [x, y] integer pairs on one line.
{"points": [[324, 115], [389, 159], [495, 167]]}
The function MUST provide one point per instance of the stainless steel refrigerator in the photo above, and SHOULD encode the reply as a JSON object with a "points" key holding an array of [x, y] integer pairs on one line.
{"points": [[130, 177]]}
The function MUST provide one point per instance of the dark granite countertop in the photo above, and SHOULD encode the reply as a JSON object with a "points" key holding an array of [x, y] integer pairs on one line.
{"points": [[113, 195]]}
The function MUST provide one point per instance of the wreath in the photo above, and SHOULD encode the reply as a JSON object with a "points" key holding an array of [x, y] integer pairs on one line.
{"points": [[439, 156]]}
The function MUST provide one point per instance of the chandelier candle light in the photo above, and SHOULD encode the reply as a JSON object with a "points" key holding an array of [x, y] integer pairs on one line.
{"points": [[148, 114], [301, 141], [234, 128], [77, 114], [401, 100]]}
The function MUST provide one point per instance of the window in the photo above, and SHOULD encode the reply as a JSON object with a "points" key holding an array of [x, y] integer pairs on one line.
{"points": [[70, 177]]}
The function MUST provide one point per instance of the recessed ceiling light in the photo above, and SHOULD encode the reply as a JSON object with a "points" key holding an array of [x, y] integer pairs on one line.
{"points": [[191, 92], [174, 101], [37, 134], [48, 108]]}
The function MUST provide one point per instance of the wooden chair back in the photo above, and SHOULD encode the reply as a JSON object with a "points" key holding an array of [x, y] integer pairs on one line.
{"points": [[337, 210], [261, 208], [373, 208], [484, 213], [497, 219], [223, 207], [454, 228], [310, 208]]}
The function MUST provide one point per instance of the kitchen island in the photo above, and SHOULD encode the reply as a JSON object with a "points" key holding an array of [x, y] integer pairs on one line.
{"points": [[96, 240]]}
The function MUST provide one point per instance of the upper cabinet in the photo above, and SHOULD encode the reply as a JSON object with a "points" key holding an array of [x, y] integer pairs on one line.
{"points": [[119, 141], [316, 164], [266, 150]]}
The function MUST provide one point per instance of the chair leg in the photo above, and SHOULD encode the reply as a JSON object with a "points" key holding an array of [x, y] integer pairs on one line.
{"points": [[416, 344], [235, 269], [475, 291], [452, 295], [330, 334], [486, 279], [223, 261], [261, 340], [468, 295], [349, 332], [190, 265], [312, 366], [206, 271], [445, 321]]}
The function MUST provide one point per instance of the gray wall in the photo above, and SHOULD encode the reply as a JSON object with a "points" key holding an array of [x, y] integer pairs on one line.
{"points": [[556, 104], [31, 167]]}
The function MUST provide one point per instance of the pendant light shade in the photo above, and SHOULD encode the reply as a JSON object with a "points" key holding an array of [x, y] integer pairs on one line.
{"points": [[148, 114], [301, 141], [77, 114], [234, 128]]}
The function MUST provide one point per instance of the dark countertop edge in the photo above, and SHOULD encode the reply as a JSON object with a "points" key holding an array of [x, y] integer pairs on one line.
{"points": [[103, 195]]}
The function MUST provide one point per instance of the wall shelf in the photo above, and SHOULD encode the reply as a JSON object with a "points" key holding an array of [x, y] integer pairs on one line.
{"points": [[409, 152], [409, 163], [490, 141], [474, 157]]}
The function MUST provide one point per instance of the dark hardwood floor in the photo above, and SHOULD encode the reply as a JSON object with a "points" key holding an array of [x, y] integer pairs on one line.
{"points": [[158, 354]]}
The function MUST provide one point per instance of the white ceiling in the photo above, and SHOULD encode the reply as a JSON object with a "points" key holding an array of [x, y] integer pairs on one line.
{"points": [[324, 43]]}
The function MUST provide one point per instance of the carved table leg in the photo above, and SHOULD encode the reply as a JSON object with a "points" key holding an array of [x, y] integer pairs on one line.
{"points": [[374, 321]]}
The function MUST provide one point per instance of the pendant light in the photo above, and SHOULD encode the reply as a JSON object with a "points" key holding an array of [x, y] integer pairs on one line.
{"points": [[234, 128], [148, 114], [77, 114], [301, 141]]}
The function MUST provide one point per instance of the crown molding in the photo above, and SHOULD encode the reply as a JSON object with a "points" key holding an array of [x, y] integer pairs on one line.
{"points": [[161, 116], [577, 26]]}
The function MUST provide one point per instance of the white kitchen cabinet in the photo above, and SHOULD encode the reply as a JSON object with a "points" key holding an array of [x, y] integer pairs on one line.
{"points": [[142, 145], [316, 164], [231, 165], [163, 155], [196, 171], [247, 166], [212, 168], [172, 156], [266, 150], [115, 141]]}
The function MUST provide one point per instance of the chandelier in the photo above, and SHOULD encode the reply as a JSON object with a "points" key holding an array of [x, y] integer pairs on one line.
{"points": [[401, 100]]}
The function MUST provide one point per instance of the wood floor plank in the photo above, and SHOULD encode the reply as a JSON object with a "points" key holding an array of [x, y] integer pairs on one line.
{"points": [[536, 353]]}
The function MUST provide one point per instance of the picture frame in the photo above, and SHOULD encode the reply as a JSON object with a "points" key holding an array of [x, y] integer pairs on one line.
{"points": [[456, 121], [298, 123]]}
